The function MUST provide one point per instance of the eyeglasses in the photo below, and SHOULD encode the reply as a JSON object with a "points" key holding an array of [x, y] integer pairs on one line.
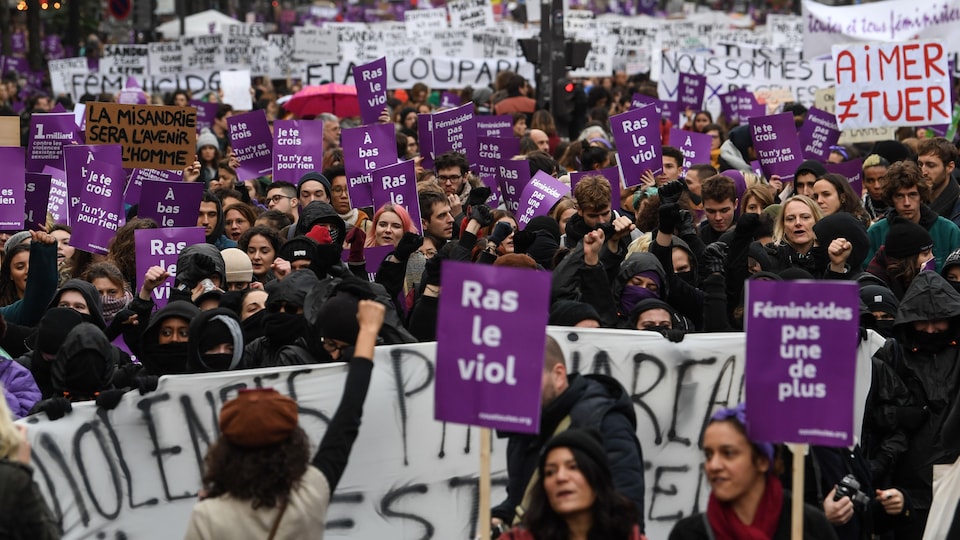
{"points": [[338, 190], [332, 346], [452, 178], [278, 198]]}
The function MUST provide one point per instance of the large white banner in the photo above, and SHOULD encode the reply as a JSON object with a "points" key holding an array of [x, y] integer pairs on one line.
{"points": [[134, 472]]}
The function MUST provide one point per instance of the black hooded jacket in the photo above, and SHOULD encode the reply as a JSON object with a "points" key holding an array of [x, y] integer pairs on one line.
{"points": [[161, 359], [264, 351], [200, 324], [90, 294], [318, 212], [86, 363]]}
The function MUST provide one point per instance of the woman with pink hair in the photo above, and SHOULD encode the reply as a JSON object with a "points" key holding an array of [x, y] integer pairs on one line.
{"points": [[389, 224]]}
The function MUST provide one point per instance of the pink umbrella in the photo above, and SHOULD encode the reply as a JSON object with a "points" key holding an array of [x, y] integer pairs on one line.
{"points": [[339, 99]]}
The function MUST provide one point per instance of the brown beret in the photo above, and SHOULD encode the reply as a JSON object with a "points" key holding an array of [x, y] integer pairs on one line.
{"points": [[258, 417]]}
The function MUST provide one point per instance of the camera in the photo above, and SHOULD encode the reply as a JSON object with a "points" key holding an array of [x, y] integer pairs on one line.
{"points": [[849, 487]]}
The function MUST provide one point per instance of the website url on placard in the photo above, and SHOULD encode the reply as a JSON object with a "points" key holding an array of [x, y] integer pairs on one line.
{"points": [[823, 433], [495, 417]]}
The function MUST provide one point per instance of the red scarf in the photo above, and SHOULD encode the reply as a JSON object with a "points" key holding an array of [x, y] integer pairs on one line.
{"points": [[727, 526]]}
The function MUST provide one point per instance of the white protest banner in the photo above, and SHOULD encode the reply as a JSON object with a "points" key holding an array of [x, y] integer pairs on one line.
{"points": [[785, 31], [489, 44], [599, 62], [124, 60], [203, 53], [452, 43], [279, 56], [893, 84], [242, 51], [890, 21], [196, 83], [409, 477], [62, 70], [315, 44], [419, 21], [236, 89], [580, 24], [251, 30], [438, 72], [165, 58], [470, 14], [825, 101]]}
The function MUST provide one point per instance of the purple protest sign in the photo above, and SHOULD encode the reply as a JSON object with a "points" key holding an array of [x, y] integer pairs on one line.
{"points": [[637, 134], [37, 193], [639, 101], [206, 114], [425, 139], [131, 195], [612, 174], [397, 184], [777, 145], [252, 143], [690, 91], [495, 126], [161, 247], [297, 149], [513, 176], [486, 373], [538, 197], [99, 214], [851, 170], [48, 134], [76, 159], [371, 81], [366, 149], [12, 188], [171, 204], [57, 204], [450, 99], [801, 360], [493, 150], [373, 257], [695, 147], [670, 110], [818, 133], [455, 130], [739, 105], [18, 43]]}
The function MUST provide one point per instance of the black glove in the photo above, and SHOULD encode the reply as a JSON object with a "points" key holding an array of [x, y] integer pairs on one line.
{"points": [[669, 217], [501, 232], [55, 407], [431, 270], [747, 225], [481, 213], [715, 257], [478, 196], [674, 334], [109, 399], [408, 243], [147, 383], [670, 192]]}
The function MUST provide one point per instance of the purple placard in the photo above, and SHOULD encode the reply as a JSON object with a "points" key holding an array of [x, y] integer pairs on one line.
{"points": [[373, 257], [161, 247], [371, 81], [206, 114], [538, 197], [755, 167], [690, 91], [639, 101], [397, 184], [76, 159], [12, 188], [493, 150], [670, 110], [171, 204], [366, 149], [739, 105], [37, 193], [801, 360], [57, 204], [48, 134], [99, 213], [252, 143], [612, 174], [425, 139], [455, 130], [852, 170], [818, 133], [637, 134], [513, 176], [131, 195], [18, 43], [484, 330], [695, 147], [495, 126], [777, 145], [297, 149], [450, 99]]}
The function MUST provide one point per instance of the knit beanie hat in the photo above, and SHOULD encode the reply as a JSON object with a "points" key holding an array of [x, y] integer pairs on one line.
{"points": [[953, 259], [16, 240], [905, 238], [844, 225], [588, 442], [54, 327], [337, 319], [238, 267], [207, 138], [811, 166], [216, 333], [316, 177], [571, 312], [299, 248], [258, 417], [879, 298], [544, 223]]}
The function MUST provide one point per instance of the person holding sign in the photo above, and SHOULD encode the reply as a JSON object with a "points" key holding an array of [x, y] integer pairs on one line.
{"points": [[747, 500], [390, 222]]}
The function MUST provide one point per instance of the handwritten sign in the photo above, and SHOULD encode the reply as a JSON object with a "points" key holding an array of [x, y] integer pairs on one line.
{"points": [[152, 137]]}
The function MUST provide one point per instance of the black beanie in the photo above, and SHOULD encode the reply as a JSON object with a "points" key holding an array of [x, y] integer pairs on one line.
{"points": [[844, 225], [544, 223], [299, 248], [793, 273], [571, 312], [810, 166], [54, 327], [905, 239], [588, 442], [337, 318], [315, 176], [216, 333], [879, 298]]}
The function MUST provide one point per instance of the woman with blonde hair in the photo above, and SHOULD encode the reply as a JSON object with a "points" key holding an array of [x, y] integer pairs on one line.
{"points": [[793, 235]]}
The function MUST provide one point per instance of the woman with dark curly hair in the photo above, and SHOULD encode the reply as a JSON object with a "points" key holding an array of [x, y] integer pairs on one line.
{"points": [[258, 482], [262, 245], [574, 498], [123, 249]]}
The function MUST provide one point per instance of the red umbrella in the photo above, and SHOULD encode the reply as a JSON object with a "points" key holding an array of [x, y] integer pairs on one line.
{"points": [[339, 99]]}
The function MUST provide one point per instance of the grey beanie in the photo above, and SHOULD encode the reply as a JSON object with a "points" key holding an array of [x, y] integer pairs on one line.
{"points": [[15, 240]]}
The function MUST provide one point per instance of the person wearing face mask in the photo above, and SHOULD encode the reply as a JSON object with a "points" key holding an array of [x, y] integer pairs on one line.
{"points": [[907, 252], [641, 276], [163, 346], [283, 322], [44, 344], [678, 262], [882, 305], [216, 342], [951, 270]]}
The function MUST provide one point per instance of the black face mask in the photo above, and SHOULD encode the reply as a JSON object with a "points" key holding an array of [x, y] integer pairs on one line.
{"points": [[252, 326], [686, 277], [216, 361], [931, 343], [167, 359], [885, 328], [283, 328], [955, 285]]}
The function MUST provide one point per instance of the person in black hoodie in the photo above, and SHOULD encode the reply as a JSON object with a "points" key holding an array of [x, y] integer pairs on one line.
{"points": [[216, 342], [83, 298], [284, 323], [163, 346], [53, 329]]}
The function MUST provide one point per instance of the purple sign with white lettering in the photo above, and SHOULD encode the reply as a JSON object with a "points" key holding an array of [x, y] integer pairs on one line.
{"points": [[851, 170], [513, 175], [637, 134], [37, 193], [161, 247], [171, 204], [77, 158], [48, 134], [495, 126], [538, 197], [371, 81], [612, 174], [740, 105], [206, 114], [297, 149], [486, 373], [818, 133], [12, 188], [493, 150], [397, 185], [450, 99], [801, 360], [99, 213], [777, 145], [425, 139], [455, 130], [366, 149], [131, 194], [690, 91], [252, 144], [695, 147], [57, 204]]}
